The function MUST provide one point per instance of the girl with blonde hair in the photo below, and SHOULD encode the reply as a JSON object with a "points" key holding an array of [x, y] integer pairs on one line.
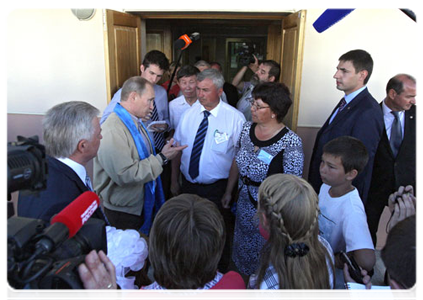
{"points": [[295, 256]]}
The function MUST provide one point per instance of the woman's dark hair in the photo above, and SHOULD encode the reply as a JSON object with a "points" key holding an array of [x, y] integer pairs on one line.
{"points": [[276, 95]]}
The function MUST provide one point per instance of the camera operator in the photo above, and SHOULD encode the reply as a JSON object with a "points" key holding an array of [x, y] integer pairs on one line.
{"points": [[72, 136], [266, 71], [98, 276]]}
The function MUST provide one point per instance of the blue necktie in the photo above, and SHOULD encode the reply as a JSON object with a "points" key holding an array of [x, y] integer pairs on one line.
{"points": [[396, 134], [198, 146], [90, 188], [158, 136]]}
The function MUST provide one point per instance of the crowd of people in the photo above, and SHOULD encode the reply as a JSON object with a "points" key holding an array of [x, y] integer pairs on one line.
{"points": [[213, 178]]}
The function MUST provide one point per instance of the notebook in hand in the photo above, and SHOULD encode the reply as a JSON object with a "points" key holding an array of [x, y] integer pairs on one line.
{"points": [[356, 291]]}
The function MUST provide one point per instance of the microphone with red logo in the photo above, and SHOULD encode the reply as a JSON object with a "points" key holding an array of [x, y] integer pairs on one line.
{"points": [[67, 223], [184, 40]]}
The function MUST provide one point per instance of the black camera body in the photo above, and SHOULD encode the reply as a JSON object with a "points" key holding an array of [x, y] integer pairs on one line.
{"points": [[27, 265], [246, 54], [26, 165], [54, 270]]}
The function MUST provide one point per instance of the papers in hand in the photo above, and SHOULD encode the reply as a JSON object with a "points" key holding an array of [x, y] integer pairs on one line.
{"points": [[157, 126], [358, 291]]}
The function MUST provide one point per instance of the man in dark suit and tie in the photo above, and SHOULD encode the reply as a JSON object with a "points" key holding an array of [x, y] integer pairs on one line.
{"points": [[358, 115], [72, 136], [395, 160]]}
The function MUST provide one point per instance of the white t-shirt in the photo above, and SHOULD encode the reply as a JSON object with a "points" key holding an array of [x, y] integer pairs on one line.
{"points": [[343, 221]]}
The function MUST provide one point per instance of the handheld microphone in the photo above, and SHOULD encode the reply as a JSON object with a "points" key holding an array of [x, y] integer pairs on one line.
{"points": [[184, 40], [67, 223]]}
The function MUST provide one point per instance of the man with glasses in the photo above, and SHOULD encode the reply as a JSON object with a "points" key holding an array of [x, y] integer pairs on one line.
{"points": [[266, 71]]}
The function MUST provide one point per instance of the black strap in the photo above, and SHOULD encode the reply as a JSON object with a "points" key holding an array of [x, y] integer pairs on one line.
{"points": [[248, 182]]}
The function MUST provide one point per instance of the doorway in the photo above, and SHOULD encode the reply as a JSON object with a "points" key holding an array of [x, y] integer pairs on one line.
{"points": [[280, 36]]}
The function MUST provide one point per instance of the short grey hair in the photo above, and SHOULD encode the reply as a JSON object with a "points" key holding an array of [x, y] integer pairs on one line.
{"points": [[134, 84], [65, 124], [214, 75]]}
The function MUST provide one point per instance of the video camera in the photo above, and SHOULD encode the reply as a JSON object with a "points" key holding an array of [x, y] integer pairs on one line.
{"points": [[245, 54], [41, 256], [26, 166]]}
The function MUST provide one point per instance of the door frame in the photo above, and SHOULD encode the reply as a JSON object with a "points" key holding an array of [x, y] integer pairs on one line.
{"points": [[275, 48]]}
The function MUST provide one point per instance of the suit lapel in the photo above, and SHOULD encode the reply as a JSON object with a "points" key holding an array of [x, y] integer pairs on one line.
{"points": [[68, 172], [342, 114]]}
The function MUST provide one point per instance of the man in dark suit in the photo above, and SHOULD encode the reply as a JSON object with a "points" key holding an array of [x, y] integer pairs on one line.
{"points": [[358, 115], [72, 136], [395, 165]]}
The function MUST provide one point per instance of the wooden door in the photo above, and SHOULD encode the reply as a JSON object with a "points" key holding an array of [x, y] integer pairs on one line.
{"points": [[293, 28], [122, 49]]}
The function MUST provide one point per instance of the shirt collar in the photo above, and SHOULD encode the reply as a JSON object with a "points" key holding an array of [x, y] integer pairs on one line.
{"points": [[76, 167], [348, 98], [387, 111], [215, 110]]}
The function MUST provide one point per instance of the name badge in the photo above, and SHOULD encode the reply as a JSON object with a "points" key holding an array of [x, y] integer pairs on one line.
{"points": [[220, 137], [265, 157]]}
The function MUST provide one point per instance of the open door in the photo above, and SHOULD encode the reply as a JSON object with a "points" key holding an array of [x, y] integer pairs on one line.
{"points": [[293, 27], [122, 49]]}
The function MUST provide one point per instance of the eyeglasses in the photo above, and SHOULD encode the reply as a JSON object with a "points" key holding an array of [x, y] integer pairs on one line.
{"points": [[256, 106]]}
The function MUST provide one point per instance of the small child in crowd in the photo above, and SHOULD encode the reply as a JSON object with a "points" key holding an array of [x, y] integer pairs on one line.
{"points": [[343, 221], [186, 242], [295, 256]]}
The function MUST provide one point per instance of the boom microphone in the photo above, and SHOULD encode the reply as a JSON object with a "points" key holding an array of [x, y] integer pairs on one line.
{"points": [[67, 223], [330, 17], [184, 40]]}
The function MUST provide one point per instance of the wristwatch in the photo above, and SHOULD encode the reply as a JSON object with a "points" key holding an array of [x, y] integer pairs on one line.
{"points": [[164, 158]]}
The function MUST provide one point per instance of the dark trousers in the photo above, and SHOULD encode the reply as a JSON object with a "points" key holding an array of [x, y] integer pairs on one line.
{"points": [[122, 220], [214, 192], [374, 210]]}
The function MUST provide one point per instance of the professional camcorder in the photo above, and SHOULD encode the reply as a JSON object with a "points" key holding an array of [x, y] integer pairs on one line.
{"points": [[41, 256], [245, 54]]}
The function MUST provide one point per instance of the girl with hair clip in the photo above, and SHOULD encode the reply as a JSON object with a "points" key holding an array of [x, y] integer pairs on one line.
{"points": [[295, 256]]}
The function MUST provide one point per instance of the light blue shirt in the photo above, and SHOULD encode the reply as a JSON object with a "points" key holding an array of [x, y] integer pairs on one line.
{"points": [[348, 98]]}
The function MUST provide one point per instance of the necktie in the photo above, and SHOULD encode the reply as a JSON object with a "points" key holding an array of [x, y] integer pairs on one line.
{"points": [[342, 104], [88, 183], [158, 136], [198, 146], [396, 134], [90, 187]]}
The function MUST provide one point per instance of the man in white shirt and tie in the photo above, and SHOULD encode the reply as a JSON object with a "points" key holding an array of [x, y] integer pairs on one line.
{"points": [[211, 130], [395, 159]]}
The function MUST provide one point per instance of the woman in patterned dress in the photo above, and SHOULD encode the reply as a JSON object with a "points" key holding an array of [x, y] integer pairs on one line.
{"points": [[266, 146]]}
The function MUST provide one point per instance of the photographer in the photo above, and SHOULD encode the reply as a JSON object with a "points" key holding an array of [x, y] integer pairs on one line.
{"points": [[267, 71], [98, 276]]}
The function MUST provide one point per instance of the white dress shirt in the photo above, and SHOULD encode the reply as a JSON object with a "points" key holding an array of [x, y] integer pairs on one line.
{"points": [[176, 109], [225, 125], [76, 167]]}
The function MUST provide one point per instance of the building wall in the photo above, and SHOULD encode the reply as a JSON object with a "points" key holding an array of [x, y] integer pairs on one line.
{"points": [[53, 57]]}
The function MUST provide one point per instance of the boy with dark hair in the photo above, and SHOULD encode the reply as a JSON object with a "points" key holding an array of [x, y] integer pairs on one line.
{"points": [[186, 242], [343, 220]]}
